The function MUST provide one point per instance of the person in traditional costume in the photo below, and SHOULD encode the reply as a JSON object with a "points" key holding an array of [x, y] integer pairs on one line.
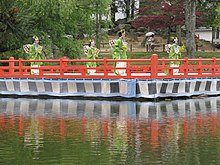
{"points": [[35, 53], [174, 51], [92, 53], [150, 43], [119, 50]]}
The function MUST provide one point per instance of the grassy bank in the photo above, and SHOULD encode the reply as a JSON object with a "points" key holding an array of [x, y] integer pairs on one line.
{"points": [[147, 55], [132, 55]]}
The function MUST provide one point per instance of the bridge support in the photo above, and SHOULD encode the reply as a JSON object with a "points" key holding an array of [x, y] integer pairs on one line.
{"points": [[126, 88]]}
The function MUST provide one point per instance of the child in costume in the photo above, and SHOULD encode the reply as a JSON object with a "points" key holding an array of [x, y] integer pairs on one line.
{"points": [[35, 53], [91, 54], [119, 50], [174, 52]]}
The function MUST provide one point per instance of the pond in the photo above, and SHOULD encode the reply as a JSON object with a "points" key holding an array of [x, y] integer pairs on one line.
{"points": [[56, 131]]}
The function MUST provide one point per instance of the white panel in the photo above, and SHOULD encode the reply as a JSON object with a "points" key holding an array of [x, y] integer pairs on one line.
{"points": [[169, 87], [192, 86], [89, 88], [40, 86], [106, 109], [24, 87], [10, 85], [55, 87], [202, 86], [143, 86], [105, 87], [144, 110], [72, 87], [182, 86]]}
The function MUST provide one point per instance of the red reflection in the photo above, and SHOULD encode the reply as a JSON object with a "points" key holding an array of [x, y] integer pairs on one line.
{"points": [[84, 129], [200, 119], [144, 131], [170, 128], [41, 122], [2, 119], [12, 120], [21, 125], [130, 126], [106, 128], [214, 122], [62, 127], [154, 134], [186, 129]]}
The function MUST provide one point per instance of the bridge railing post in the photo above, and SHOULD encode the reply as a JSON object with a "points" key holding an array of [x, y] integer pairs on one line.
{"points": [[65, 61], [186, 63], [62, 65], [105, 67], [11, 65], [128, 68], [164, 68], [213, 66], [200, 67], [154, 66], [20, 66]]}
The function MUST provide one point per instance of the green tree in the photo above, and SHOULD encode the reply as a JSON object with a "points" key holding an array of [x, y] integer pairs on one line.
{"points": [[57, 22], [9, 25], [211, 18], [101, 9]]}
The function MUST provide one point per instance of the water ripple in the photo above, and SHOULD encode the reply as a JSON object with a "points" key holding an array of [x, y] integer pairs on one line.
{"points": [[58, 131]]}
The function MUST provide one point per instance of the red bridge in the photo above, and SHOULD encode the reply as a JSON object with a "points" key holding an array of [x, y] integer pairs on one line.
{"points": [[152, 68]]}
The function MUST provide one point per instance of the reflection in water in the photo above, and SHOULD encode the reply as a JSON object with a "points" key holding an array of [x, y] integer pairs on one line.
{"points": [[58, 131], [125, 109]]}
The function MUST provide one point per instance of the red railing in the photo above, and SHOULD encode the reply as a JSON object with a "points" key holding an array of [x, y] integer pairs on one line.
{"points": [[152, 68]]}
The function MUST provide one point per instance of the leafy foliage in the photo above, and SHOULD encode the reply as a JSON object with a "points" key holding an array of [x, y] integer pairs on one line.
{"points": [[211, 18], [163, 14], [52, 21], [217, 19], [9, 23]]}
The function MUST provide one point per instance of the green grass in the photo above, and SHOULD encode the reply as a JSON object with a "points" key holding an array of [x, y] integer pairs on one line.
{"points": [[132, 55], [147, 55], [207, 54]]}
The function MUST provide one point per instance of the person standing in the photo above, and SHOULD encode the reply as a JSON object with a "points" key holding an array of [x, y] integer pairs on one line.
{"points": [[174, 51], [35, 53], [151, 43], [119, 50], [92, 54]]}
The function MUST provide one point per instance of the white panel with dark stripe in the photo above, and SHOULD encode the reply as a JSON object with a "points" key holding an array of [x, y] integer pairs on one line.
{"points": [[110, 88], [177, 88], [53, 87]]}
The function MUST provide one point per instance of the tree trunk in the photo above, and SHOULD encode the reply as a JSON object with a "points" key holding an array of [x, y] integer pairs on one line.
{"points": [[190, 15], [113, 11], [217, 33], [132, 8], [213, 37], [98, 30], [179, 34], [168, 35], [213, 34], [127, 9]]}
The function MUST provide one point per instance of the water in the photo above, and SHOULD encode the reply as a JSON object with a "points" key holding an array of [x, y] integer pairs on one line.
{"points": [[84, 132]]}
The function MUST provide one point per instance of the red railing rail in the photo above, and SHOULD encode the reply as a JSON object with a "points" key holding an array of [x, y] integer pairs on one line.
{"points": [[152, 68]]}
